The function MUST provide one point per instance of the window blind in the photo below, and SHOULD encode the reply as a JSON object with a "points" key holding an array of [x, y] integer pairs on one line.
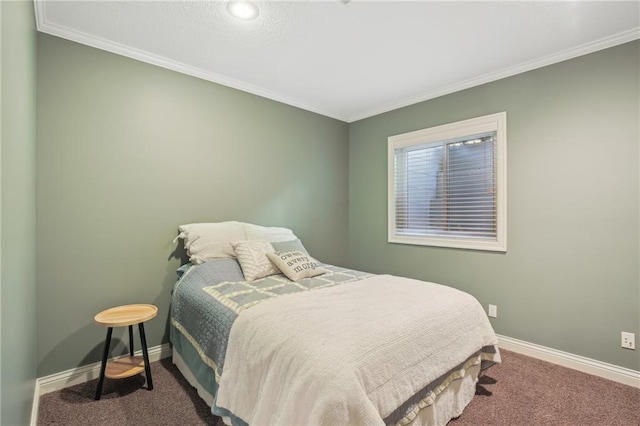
{"points": [[447, 188]]}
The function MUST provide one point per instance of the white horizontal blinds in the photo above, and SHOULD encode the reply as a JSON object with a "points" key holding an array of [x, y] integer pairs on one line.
{"points": [[447, 188], [471, 181], [418, 169]]}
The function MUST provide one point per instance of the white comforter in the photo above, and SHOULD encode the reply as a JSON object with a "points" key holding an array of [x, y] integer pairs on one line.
{"points": [[352, 353]]}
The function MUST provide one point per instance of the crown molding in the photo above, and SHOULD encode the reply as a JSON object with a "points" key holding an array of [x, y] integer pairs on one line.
{"points": [[581, 50], [44, 26]]}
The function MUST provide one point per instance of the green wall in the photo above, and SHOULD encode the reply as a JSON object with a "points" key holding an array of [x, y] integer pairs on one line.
{"points": [[17, 212], [570, 279], [127, 152]]}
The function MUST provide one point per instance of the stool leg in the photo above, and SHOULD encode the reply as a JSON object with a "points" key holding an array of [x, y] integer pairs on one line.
{"points": [[103, 367], [131, 340], [145, 354]]}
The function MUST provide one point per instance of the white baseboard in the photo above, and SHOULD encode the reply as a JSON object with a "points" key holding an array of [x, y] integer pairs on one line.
{"points": [[576, 362], [36, 405], [75, 376], [89, 372], [622, 375]]}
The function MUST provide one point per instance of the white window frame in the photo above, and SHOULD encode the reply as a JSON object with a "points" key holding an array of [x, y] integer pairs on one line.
{"points": [[488, 123]]}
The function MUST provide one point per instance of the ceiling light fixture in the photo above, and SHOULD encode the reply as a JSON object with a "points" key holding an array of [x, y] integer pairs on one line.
{"points": [[243, 9]]}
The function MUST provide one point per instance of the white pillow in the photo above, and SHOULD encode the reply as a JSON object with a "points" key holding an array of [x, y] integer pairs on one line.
{"points": [[296, 265], [206, 241], [271, 234], [252, 256]]}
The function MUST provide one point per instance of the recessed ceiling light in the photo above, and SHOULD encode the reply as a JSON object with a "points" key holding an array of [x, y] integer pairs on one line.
{"points": [[243, 9]]}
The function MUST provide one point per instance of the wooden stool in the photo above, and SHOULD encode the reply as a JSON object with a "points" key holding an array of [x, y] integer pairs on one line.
{"points": [[122, 316]]}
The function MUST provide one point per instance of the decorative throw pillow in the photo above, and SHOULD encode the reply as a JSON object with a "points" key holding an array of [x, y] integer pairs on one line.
{"points": [[296, 264], [252, 256]]}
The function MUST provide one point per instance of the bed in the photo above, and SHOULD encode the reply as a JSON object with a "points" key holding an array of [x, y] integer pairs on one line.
{"points": [[332, 346]]}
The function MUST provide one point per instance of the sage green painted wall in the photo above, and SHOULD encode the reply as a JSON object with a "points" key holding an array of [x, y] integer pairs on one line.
{"points": [[127, 152], [18, 221], [570, 279]]}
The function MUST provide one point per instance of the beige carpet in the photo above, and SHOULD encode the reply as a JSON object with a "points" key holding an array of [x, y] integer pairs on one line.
{"points": [[521, 391]]}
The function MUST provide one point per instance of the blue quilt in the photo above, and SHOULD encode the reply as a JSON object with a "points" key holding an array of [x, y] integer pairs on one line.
{"points": [[208, 298]]}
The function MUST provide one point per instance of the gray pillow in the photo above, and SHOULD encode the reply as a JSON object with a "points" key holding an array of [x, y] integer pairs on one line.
{"points": [[289, 246]]}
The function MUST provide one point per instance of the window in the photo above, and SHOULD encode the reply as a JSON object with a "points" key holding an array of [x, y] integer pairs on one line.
{"points": [[447, 185]]}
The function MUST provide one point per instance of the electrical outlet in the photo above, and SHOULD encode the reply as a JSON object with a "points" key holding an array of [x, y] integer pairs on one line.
{"points": [[493, 311], [628, 340]]}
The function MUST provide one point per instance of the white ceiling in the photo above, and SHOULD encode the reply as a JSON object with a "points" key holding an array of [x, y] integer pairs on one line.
{"points": [[346, 60]]}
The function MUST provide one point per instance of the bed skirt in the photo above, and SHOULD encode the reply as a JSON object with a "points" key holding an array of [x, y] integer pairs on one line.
{"points": [[457, 389]]}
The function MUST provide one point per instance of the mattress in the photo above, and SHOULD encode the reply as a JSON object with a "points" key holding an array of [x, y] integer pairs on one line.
{"points": [[216, 314]]}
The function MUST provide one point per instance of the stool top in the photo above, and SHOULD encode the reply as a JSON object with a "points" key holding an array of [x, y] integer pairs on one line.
{"points": [[122, 316]]}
